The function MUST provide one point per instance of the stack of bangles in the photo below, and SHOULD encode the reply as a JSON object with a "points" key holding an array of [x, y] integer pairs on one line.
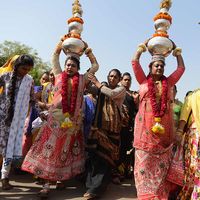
{"points": [[141, 48], [179, 131], [177, 51]]}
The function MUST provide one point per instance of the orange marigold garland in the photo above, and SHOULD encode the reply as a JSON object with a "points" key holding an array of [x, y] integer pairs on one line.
{"points": [[68, 108], [158, 108], [71, 35], [161, 34], [75, 19], [163, 16], [75, 35]]}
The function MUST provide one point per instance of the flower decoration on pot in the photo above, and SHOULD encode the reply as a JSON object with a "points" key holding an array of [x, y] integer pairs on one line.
{"points": [[72, 42], [160, 42]]}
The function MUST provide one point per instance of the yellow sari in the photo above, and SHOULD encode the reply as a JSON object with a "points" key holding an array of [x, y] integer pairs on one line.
{"points": [[8, 67]]}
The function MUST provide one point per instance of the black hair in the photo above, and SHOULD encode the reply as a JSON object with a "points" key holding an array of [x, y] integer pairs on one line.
{"points": [[175, 88], [151, 63], [23, 60], [188, 92], [104, 83], [74, 59], [46, 72], [117, 71], [127, 74]]}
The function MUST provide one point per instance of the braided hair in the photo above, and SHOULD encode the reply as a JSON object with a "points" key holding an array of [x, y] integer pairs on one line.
{"points": [[23, 60]]}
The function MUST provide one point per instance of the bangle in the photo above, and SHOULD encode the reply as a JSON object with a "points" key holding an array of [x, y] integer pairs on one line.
{"points": [[177, 51], [179, 130], [142, 47], [101, 86]]}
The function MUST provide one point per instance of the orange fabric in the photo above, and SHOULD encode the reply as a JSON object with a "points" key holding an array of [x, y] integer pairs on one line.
{"points": [[7, 67]]}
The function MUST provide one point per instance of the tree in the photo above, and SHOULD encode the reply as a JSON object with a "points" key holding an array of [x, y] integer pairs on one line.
{"points": [[9, 49]]}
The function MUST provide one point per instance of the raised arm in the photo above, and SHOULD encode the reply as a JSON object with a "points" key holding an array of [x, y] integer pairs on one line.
{"points": [[115, 93], [93, 61], [176, 75], [55, 59], [112, 93], [138, 71]]}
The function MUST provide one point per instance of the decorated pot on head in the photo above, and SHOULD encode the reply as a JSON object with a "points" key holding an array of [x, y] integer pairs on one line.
{"points": [[160, 42], [72, 42], [73, 45]]}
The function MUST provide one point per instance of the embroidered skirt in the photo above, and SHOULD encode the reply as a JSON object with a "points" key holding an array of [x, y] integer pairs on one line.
{"points": [[56, 154]]}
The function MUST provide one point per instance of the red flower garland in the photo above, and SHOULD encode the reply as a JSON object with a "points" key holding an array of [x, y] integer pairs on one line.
{"points": [[69, 107], [157, 108]]}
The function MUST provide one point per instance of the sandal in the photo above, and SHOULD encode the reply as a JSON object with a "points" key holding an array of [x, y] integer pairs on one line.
{"points": [[88, 196], [43, 193]]}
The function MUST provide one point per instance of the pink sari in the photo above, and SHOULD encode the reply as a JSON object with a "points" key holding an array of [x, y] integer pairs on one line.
{"points": [[57, 153], [153, 153]]}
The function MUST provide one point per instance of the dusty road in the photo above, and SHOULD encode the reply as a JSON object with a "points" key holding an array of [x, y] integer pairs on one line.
{"points": [[25, 189]]}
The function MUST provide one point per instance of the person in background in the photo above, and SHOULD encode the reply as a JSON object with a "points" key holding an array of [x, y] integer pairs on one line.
{"points": [[58, 153], [129, 110], [176, 107], [104, 138], [7, 67], [14, 103], [153, 131], [44, 78], [189, 125], [89, 111], [52, 77]]}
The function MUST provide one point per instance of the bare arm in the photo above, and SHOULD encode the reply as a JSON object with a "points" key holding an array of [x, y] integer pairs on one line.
{"points": [[93, 61], [176, 75], [55, 59], [138, 71], [114, 93], [185, 114]]}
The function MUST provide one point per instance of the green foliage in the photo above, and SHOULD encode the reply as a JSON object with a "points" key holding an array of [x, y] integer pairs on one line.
{"points": [[9, 49]]}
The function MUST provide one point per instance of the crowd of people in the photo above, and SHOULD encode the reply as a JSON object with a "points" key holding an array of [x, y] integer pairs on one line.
{"points": [[74, 125]]}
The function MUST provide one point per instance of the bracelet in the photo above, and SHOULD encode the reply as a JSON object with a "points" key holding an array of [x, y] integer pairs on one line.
{"points": [[142, 48], [101, 86], [179, 130], [139, 50], [88, 51], [177, 51]]}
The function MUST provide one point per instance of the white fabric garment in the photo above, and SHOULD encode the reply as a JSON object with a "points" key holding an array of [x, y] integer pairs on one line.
{"points": [[14, 145], [6, 167]]}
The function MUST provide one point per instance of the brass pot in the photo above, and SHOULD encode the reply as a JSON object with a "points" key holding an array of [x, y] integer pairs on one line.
{"points": [[75, 27], [162, 25], [160, 45], [73, 45]]}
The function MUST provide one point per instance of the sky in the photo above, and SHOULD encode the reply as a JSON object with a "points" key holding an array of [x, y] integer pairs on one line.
{"points": [[112, 28]]}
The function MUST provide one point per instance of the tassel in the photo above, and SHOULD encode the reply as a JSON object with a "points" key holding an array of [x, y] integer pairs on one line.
{"points": [[158, 127]]}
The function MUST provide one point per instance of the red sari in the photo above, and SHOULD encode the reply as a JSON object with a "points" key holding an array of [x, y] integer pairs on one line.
{"points": [[58, 154]]}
